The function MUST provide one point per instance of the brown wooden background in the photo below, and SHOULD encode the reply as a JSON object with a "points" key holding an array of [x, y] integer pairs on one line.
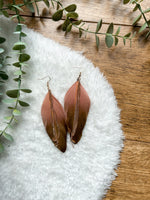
{"points": [[128, 71]]}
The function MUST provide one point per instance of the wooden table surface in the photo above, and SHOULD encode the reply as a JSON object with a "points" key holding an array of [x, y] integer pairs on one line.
{"points": [[128, 71]]}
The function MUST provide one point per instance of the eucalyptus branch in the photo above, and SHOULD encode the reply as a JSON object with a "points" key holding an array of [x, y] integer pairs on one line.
{"points": [[71, 21], [22, 57], [142, 13]]}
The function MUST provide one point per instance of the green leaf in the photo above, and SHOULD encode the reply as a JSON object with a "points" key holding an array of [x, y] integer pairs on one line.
{"points": [[26, 90], [72, 15], [125, 1], [118, 30], [23, 104], [57, 15], [7, 118], [17, 7], [77, 22], [17, 64], [80, 33], [5, 13], [97, 41], [16, 79], [110, 28], [11, 108], [8, 101], [2, 40], [147, 10], [137, 19], [1, 148], [30, 7], [12, 93], [71, 8], [127, 35], [124, 41], [147, 35], [16, 112], [22, 34], [116, 41], [99, 25], [19, 46], [65, 24], [3, 75], [46, 3], [24, 57], [135, 8], [143, 27], [21, 18], [109, 40], [69, 27], [18, 72], [18, 28], [1, 50], [8, 137]]}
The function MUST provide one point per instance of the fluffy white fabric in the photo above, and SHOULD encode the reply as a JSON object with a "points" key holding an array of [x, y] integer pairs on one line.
{"points": [[31, 168]]}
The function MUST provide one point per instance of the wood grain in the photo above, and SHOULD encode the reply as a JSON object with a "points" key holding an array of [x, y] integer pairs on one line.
{"points": [[128, 71]]}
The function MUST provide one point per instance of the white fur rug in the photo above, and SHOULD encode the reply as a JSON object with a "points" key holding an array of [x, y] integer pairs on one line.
{"points": [[31, 168]]}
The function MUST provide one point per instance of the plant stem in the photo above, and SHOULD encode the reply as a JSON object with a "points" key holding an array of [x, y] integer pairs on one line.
{"points": [[140, 9], [19, 82]]}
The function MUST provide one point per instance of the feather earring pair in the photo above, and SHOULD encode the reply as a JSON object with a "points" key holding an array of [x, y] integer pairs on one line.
{"points": [[72, 118]]}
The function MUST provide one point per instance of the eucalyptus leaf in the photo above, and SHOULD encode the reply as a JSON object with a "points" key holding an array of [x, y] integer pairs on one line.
{"points": [[65, 24], [12, 93], [124, 41], [24, 57], [125, 1], [135, 8], [16, 112], [147, 10], [118, 30], [57, 15], [2, 40], [99, 25], [137, 19], [109, 40], [72, 15], [19, 46], [18, 28], [71, 8], [29, 6], [1, 50], [8, 137], [77, 22], [3, 75], [23, 104], [26, 90], [17, 7], [110, 28], [7, 118], [148, 34], [8, 101], [16, 79], [127, 35], [80, 32], [18, 73], [22, 34], [5, 13], [17, 64], [143, 27], [69, 27], [46, 3], [1, 148], [97, 41], [116, 41]]}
